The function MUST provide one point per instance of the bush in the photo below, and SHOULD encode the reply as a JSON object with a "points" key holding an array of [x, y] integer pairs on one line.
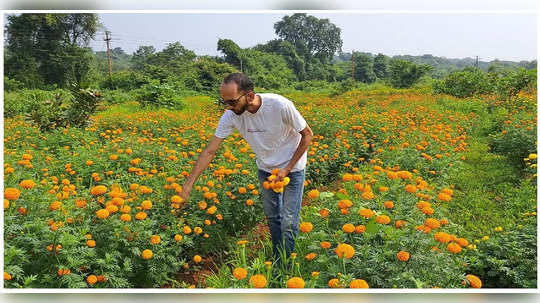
{"points": [[12, 84], [125, 80], [516, 143], [161, 96], [465, 83], [405, 74], [20, 102]]}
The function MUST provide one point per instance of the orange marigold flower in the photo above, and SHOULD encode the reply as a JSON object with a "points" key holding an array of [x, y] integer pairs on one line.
{"points": [[348, 228], [444, 197], [91, 279], [147, 254], [313, 194], [155, 239], [310, 256], [403, 256], [368, 195], [239, 273], [403, 174], [474, 281], [325, 244], [442, 237], [325, 212], [140, 215], [125, 218], [197, 259], [242, 190], [344, 251], [176, 199], [427, 210], [453, 248], [389, 204], [443, 221], [306, 227], [400, 223], [383, 219], [360, 229], [186, 230], [366, 213], [98, 190], [178, 238], [55, 205], [296, 282], [91, 243], [432, 223], [334, 283], [211, 210], [358, 283], [462, 242], [258, 281], [410, 188], [11, 193], [102, 213], [146, 204], [27, 184], [347, 177], [344, 203]]}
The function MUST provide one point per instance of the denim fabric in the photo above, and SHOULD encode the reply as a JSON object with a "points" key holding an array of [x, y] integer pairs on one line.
{"points": [[282, 211]]}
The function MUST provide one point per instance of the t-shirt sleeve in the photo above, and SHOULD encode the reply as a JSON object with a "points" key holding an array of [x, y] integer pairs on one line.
{"points": [[225, 126], [292, 117]]}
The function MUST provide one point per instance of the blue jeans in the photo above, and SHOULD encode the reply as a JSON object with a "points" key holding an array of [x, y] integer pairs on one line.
{"points": [[282, 211]]}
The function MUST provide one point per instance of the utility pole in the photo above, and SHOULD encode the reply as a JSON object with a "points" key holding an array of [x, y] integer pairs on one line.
{"points": [[352, 61], [108, 51], [476, 63]]}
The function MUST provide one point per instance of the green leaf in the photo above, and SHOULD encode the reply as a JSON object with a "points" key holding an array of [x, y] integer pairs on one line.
{"points": [[371, 227], [343, 196], [326, 194]]}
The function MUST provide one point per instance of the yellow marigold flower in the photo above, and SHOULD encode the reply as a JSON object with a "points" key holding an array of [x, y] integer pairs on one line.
{"points": [[306, 227], [498, 228], [176, 199], [485, 238], [258, 281], [296, 282], [155, 239], [347, 177], [344, 251], [197, 259], [102, 213], [178, 238], [403, 256], [146, 204], [186, 230], [211, 210], [358, 283], [239, 273], [242, 242], [147, 254], [197, 230], [474, 281], [125, 218]]}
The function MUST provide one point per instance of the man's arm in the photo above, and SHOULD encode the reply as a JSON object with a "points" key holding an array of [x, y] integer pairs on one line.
{"points": [[307, 136], [202, 162]]}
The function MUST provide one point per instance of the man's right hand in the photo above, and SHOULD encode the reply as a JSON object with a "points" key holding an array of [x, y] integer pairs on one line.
{"points": [[184, 194]]}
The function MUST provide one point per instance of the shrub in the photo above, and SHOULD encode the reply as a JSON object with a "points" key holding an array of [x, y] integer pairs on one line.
{"points": [[161, 96]]}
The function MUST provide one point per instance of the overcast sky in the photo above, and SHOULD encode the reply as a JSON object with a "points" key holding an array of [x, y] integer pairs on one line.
{"points": [[489, 36]]}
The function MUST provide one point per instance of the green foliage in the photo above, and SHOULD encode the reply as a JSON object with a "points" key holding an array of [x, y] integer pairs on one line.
{"points": [[403, 74], [85, 103], [125, 80], [158, 95], [380, 66], [363, 68], [49, 49], [516, 143], [12, 84], [466, 83], [511, 83]]}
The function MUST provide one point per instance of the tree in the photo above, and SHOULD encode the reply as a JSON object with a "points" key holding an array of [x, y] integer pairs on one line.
{"points": [[312, 37], [49, 49], [404, 73], [363, 68], [380, 66], [142, 56]]}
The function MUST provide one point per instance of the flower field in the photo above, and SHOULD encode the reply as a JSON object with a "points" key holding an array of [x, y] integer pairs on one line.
{"points": [[404, 189]]}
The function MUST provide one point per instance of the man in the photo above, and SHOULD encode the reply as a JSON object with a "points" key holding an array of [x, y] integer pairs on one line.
{"points": [[279, 136]]}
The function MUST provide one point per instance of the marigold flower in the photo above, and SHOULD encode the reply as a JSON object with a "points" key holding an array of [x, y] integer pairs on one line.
{"points": [[383, 219], [389, 204], [91, 279], [432, 223], [98, 190], [403, 256], [311, 256], [140, 215], [358, 283], [474, 281], [410, 188], [360, 229], [147, 254], [368, 195], [344, 251], [325, 212], [146, 204], [334, 283], [444, 197], [11, 193], [462, 242], [442, 237], [296, 282], [125, 218], [91, 243], [453, 248], [258, 281], [325, 244], [306, 227], [102, 213], [155, 239], [197, 259], [348, 228], [27, 184], [313, 194], [366, 213], [345, 203], [239, 273]]}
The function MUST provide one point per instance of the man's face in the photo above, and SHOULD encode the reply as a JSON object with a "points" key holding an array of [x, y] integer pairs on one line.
{"points": [[237, 101]]}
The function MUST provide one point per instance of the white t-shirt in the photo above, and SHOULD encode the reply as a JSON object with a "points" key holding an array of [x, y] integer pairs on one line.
{"points": [[272, 132]]}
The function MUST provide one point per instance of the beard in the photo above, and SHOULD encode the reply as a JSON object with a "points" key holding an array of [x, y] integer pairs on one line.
{"points": [[241, 110]]}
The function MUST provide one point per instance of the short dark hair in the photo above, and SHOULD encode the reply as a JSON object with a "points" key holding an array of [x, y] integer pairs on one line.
{"points": [[244, 83]]}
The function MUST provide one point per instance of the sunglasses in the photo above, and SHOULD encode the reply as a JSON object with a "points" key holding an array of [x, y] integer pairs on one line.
{"points": [[230, 102]]}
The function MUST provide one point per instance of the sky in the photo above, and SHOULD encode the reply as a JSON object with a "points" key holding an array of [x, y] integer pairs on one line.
{"points": [[503, 36]]}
